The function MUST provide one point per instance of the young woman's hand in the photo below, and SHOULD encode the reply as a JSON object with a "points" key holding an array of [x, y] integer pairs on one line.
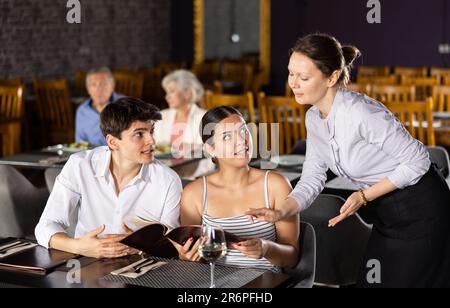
{"points": [[255, 248], [188, 251]]}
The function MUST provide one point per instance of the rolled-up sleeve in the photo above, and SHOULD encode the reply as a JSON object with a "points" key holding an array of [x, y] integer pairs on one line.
{"points": [[171, 211], [61, 203], [380, 128], [312, 180]]}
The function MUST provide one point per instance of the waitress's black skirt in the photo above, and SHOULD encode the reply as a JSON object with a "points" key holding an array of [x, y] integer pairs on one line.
{"points": [[410, 241]]}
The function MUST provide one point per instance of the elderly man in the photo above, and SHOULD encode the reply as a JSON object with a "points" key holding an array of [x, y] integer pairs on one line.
{"points": [[100, 86]]}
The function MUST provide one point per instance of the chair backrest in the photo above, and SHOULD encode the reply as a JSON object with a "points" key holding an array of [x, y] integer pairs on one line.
{"points": [[304, 272], [417, 117], [55, 110], [440, 73], [286, 112], [207, 72], [441, 98], [393, 93], [50, 175], [129, 83], [11, 111], [361, 88], [239, 73], [168, 67], [242, 102], [340, 250], [439, 156], [372, 71], [21, 204], [411, 71], [446, 81], [11, 101], [423, 85]]}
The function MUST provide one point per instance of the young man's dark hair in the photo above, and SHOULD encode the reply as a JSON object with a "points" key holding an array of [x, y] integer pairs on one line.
{"points": [[119, 115]]}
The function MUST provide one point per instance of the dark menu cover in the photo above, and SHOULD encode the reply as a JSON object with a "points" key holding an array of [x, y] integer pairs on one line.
{"points": [[152, 239], [37, 260]]}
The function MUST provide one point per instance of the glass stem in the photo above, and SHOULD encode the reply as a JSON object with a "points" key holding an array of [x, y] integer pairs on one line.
{"points": [[212, 275]]}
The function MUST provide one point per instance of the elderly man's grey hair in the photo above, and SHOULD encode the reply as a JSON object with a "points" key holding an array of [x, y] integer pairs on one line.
{"points": [[101, 70], [185, 80]]}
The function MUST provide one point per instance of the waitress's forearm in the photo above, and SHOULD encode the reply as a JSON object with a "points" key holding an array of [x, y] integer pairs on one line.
{"points": [[290, 208], [381, 188]]}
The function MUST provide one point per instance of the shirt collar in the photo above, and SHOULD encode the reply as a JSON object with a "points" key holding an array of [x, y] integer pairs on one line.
{"points": [[102, 169], [331, 118]]}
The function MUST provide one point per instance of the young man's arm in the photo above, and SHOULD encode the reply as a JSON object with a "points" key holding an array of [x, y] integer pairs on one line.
{"points": [[51, 229]]}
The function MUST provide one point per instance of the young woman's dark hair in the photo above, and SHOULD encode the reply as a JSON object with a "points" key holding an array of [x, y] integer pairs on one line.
{"points": [[211, 119], [328, 54], [119, 115]]}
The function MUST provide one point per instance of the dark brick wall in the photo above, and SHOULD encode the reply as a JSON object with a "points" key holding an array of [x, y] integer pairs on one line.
{"points": [[36, 40]]}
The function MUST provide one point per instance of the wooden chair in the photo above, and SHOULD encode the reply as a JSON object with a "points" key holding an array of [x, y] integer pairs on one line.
{"points": [[11, 112], [417, 118], [242, 102], [286, 112], [423, 85], [393, 93], [446, 81], [441, 98], [239, 74], [207, 72], [129, 83], [379, 80], [55, 111], [413, 72], [440, 73], [372, 71], [361, 88]]}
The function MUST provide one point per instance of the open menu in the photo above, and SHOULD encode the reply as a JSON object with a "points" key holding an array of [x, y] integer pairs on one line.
{"points": [[153, 238]]}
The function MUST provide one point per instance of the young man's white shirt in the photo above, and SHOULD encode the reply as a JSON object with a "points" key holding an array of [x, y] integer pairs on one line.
{"points": [[86, 185]]}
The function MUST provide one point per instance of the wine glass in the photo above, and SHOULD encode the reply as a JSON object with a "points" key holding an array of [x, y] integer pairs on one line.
{"points": [[212, 246]]}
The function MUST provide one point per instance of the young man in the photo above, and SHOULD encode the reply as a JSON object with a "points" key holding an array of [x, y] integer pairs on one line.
{"points": [[108, 184], [100, 86]]}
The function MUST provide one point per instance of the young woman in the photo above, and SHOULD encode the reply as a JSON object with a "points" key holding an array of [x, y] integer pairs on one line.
{"points": [[401, 193], [223, 197]]}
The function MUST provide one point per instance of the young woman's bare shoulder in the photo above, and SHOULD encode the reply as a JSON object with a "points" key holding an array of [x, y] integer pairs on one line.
{"points": [[278, 182]]}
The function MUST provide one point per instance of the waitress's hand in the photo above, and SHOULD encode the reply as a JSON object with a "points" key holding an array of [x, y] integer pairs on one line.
{"points": [[353, 203], [287, 209]]}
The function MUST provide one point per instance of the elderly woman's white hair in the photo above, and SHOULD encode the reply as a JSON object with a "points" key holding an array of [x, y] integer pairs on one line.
{"points": [[185, 80]]}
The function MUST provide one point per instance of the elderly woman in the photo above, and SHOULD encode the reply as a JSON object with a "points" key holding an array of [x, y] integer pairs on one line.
{"points": [[180, 123]]}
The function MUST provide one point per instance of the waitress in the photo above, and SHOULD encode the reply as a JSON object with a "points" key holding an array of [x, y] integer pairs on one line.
{"points": [[401, 193]]}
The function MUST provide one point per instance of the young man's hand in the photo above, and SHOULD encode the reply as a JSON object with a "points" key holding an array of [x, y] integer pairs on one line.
{"points": [[107, 247]]}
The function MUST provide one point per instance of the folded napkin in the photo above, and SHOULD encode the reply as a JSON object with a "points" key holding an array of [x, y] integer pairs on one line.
{"points": [[15, 249], [131, 272]]}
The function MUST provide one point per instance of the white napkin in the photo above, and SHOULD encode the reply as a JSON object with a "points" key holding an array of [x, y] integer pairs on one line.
{"points": [[128, 271], [15, 250]]}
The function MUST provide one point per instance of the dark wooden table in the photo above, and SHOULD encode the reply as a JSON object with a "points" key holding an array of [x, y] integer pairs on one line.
{"points": [[94, 270]]}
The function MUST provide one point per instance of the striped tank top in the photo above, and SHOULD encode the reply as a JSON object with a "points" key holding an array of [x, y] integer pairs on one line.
{"points": [[240, 226]]}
